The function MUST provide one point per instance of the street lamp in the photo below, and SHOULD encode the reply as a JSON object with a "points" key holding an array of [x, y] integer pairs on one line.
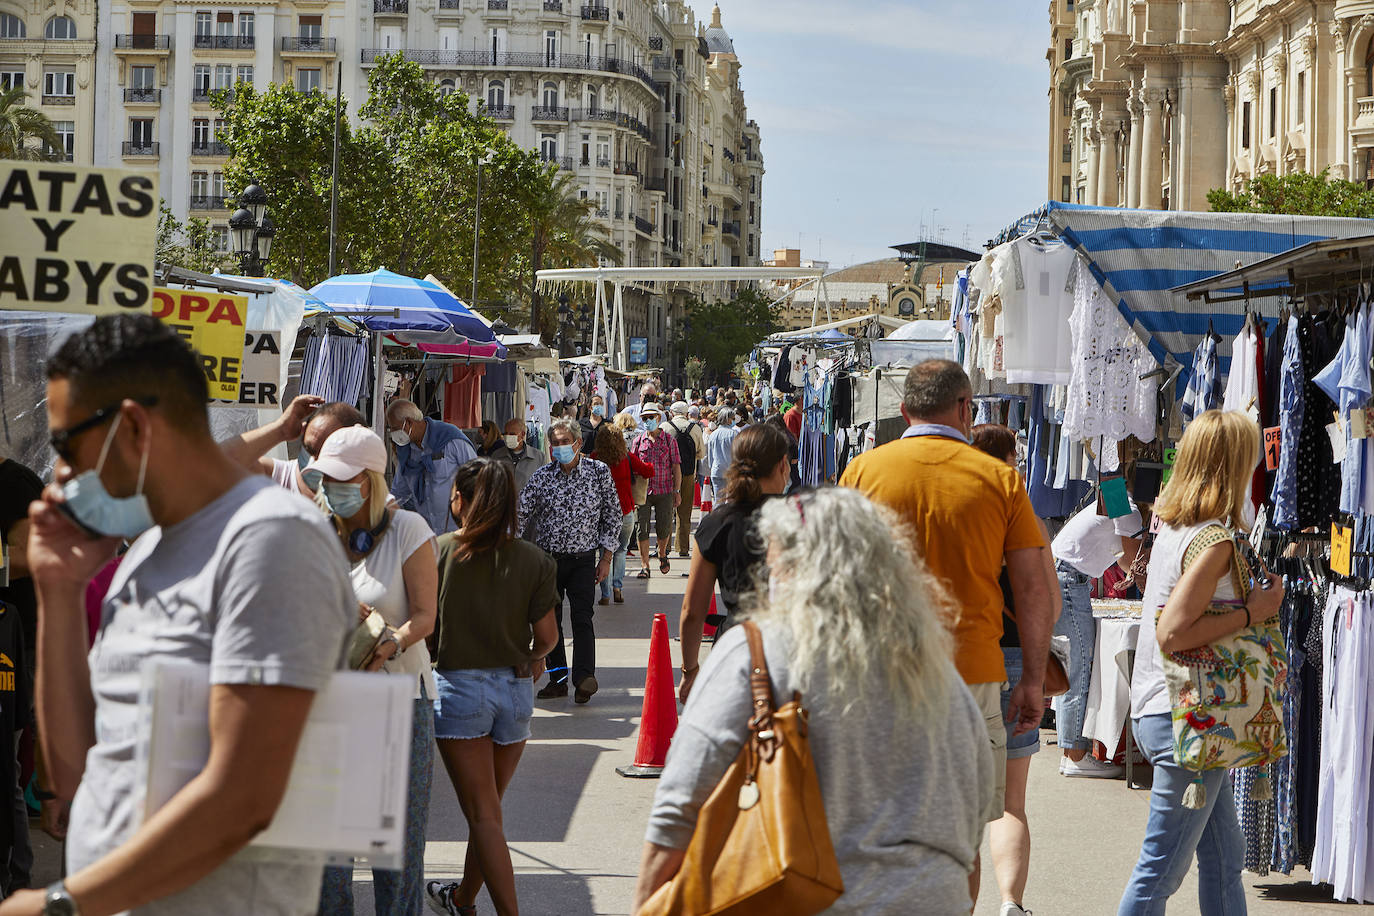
{"points": [[584, 328], [252, 231], [477, 223]]}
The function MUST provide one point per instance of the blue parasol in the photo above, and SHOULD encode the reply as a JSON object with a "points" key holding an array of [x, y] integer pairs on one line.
{"points": [[425, 312]]}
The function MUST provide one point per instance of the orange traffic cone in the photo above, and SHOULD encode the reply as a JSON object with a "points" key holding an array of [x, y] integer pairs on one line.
{"points": [[708, 631], [658, 720]]}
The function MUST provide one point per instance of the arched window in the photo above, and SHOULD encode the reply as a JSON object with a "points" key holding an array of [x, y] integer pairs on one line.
{"points": [[1368, 67], [60, 28], [496, 95], [11, 26], [548, 147], [550, 95], [446, 87], [593, 98]]}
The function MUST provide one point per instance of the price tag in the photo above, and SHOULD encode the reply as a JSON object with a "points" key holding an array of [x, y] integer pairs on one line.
{"points": [[1272, 438], [1359, 423], [1341, 539], [1155, 524], [1337, 436], [1169, 455]]}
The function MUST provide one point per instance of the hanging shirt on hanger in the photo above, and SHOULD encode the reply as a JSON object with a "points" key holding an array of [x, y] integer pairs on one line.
{"points": [[1242, 384], [1204, 381], [1037, 303]]}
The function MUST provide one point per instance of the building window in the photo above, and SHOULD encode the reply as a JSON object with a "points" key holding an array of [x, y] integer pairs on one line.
{"points": [[204, 24], [550, 95], [308, 80], [496, 95], [216, 184], [200, 184], [1273, 111], [548, 147], [247, 21], [60, 28], [219, 236], [1068, 48], [11, 26], [224, 76], [593, 99], [1245, 125], [59, 83], [142, 77], [200, 132], [11, 79], [1300, 115], [551, 47], [446, 87], [246, 74], [1065, 189], [66, 132], [309, 27], [200, 79], [1368, 63], [141, 133], [224, 25]]}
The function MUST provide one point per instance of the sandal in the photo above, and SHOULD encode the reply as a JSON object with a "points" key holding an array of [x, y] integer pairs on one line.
{"points": [[663, 566], [643, 573]]}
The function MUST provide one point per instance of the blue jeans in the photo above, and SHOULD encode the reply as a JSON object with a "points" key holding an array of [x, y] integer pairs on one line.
{"points": [[617, 577], [396, 893], [1174, 833], [1075, 622], [1017, 745]]}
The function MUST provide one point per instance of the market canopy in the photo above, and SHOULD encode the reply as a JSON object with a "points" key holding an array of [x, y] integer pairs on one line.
{"points": [[934, 252], [1141, 256]]}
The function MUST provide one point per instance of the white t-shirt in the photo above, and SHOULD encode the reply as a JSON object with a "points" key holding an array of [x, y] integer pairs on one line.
{"points": [[1090, 543], [284, 473], [1036, 308], [379, 580]]}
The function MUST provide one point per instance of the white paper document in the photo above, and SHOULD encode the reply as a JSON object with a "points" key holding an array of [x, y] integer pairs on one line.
{"points": [[346, 799]]}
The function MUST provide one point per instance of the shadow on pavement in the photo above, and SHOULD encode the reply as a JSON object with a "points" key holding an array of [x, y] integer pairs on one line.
{"points": [[1301, 892]]}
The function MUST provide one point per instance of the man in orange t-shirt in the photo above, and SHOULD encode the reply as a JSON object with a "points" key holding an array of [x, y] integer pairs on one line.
{"points": [[968, 514]]}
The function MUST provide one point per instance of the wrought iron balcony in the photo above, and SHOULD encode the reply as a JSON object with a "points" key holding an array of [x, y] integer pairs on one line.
{"points": [[601, 213], [603, 162], [209, 148], [204, 93], [732, 228], [729, 154], [391, 6], [656, 43], [59, 100], [656, 184], [596, 13], [143, 95], [309, 45], [203, 202], [644, 226], [501, 112], [530, 60], [624, 167], [141, 149], [550, 113], [553, 6], [143, 42], [226, 42], [498, 4], [563, 162]]}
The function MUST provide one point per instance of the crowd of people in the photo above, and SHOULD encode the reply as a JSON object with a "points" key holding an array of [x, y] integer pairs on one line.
{"points": [[915, 601]]}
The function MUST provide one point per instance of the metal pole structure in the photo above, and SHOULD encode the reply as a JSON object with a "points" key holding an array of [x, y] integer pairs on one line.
{"points": [[334, 174], [477, 227]]}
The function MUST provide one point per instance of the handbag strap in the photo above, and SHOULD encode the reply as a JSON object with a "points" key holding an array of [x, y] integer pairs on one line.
{"points": [[761, 689], [1211, 536]]}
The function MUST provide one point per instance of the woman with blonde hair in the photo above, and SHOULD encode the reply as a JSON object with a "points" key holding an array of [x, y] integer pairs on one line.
{"points": [[1209, 487], [855, 623]]}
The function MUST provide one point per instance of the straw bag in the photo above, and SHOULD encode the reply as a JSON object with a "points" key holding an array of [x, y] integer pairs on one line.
{"points": [[761, 845], [1226, 698]]}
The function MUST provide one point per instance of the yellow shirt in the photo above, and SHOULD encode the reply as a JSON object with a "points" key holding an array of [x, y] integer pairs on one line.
{"points": [[966, 509]]}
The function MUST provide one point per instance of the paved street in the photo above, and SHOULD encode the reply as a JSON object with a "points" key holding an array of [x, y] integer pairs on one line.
{"points": [[575, 827]]}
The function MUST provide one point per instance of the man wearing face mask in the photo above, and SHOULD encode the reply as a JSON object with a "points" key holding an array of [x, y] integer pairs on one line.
{"points": [[307, 418], [647, 395], [596, 415], [657, 446], [428, 455], [570, 510], [225, 571], [524, 459]]}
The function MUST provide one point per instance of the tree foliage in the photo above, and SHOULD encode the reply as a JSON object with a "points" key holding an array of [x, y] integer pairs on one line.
{"points": [[721, 332], [189, 244], [407, 188], [1298, 193], [20, 124]]}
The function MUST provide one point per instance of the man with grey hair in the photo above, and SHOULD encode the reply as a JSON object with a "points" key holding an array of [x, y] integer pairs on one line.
{"points": [[648, 394], [719, 447], [691, 445], [968, 514], [570, 510], [428, 456]]}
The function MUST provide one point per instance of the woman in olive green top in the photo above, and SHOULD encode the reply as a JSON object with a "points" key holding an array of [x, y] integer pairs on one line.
{"points": [[495, 625]]}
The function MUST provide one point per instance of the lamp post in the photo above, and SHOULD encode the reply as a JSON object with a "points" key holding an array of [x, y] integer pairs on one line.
{"points": [[564, 323], [252, 231], [477, 223], [584, 329]]}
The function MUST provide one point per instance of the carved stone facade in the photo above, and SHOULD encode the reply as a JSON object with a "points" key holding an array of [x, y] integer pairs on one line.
{"points": [[48, 47]]}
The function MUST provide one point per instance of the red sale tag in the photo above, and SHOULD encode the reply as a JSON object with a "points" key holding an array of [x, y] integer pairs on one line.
{"points": [[1271, 447]]}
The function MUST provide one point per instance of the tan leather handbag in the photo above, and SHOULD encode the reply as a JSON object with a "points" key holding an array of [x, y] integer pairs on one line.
{"points": [[761, 845]]}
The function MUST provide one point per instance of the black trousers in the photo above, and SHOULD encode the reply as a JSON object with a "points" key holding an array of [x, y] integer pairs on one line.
{"points": [[576, 581]]}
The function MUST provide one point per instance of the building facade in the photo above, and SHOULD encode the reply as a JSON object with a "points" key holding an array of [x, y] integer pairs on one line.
{"points": [[49, 49]]}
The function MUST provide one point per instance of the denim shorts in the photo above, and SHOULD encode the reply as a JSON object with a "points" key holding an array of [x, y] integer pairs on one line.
{"points": [[1017, 745], [477, 702]]}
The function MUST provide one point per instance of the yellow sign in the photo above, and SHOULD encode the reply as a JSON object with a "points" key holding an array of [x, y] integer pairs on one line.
{"points": [[213, 323], [76, 239], [1340, 549]]}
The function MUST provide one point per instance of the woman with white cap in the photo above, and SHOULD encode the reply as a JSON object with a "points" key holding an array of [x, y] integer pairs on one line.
{"points": [[393, 557]]}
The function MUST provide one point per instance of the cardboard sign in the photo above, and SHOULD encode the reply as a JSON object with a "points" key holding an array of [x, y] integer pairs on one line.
{"points": [[213, 323], [1272, 444], [260, 371], [76, 239], [1341, 539], [1169, 455], [1114, 499]]}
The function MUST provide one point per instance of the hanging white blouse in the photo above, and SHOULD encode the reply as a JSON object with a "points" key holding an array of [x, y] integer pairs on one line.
{"points": [[1242, 385]]}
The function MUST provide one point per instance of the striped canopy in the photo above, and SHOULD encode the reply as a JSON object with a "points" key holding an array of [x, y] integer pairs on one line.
{"points": [[1139, 256]]}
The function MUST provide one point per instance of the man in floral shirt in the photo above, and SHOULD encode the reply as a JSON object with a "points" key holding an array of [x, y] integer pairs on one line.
{"points": [[658, 447]]}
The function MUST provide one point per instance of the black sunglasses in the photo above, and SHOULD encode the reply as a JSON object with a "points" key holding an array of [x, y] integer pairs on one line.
{"points": [[60, 439]]}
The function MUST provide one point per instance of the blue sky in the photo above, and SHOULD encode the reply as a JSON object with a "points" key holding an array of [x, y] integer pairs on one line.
{"points": [[876, 114]]}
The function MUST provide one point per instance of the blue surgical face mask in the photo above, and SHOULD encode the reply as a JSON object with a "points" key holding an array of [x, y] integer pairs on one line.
{"points": [[598, 410], [564, 454], [343, 499], [93, 506], [651, 425]]}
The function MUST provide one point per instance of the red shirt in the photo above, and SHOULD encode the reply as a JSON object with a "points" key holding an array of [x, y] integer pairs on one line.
{"points": [[793, 420], [620, 473]]}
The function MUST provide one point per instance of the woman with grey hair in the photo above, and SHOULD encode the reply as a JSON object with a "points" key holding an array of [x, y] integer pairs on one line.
{"points": [[863, 637]]}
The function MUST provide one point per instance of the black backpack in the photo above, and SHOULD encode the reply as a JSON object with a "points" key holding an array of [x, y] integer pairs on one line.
{"points": [[686, 447]]}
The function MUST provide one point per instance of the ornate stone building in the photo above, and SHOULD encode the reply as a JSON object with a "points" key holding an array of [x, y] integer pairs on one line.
{"points": [[48, 47]]}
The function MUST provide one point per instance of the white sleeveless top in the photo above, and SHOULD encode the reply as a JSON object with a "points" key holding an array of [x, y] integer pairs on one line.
{"points": [[1148, 693]]}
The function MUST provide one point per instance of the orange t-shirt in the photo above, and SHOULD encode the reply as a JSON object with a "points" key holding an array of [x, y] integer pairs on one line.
{"points": [[966, 509]]}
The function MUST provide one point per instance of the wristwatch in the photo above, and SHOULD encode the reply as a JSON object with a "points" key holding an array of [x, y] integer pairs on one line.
{"points": [[57, 902]]}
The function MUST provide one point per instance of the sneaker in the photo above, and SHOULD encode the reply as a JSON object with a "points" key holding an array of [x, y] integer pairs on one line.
{"points": [[553, 691], [1092, 768], [1011, 909], [619, 596], [440, 897], [604, 600], [585, 688]]}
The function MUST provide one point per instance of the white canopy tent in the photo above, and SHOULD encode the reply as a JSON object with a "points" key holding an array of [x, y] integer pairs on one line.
{"points": [[612, 319]]}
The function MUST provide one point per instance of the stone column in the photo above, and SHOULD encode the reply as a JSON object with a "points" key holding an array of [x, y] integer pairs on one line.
{"points": [[1344, 114], [1133, 165], [1108, 194], [1150, 164], [1092, 140]]}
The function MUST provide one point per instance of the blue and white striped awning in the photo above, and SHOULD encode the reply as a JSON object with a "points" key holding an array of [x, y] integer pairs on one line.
{"points": [[1140, 256]]}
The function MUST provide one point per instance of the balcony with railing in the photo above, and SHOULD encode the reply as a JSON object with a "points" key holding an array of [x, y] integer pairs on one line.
{"points": [[553, 6], [126, 43], [142, 96], [498, 5], [625, 167], [501, 112], [550, 113], [1364, 108], [59, 100], [563, 162], [150, 148], [596, 13], [302, 45], [731, 227], [525, 60], [226, 42], [391, 7], [207, 202], [657, 183], [644, 226], [601, 213], [209, 148], [206, 93]]}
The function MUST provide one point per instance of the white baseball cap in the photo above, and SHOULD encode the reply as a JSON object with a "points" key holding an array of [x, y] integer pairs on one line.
{"points": [[347, 453]]}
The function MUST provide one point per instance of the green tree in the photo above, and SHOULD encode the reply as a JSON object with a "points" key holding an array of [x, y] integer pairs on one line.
{"points": [[190, 244], [723, 331], [1299, 193], [562, 233], [19, 124]]}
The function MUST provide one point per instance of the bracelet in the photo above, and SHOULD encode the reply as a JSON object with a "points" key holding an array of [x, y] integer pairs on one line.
{"points": [[1246, 608], [692, 670]]}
